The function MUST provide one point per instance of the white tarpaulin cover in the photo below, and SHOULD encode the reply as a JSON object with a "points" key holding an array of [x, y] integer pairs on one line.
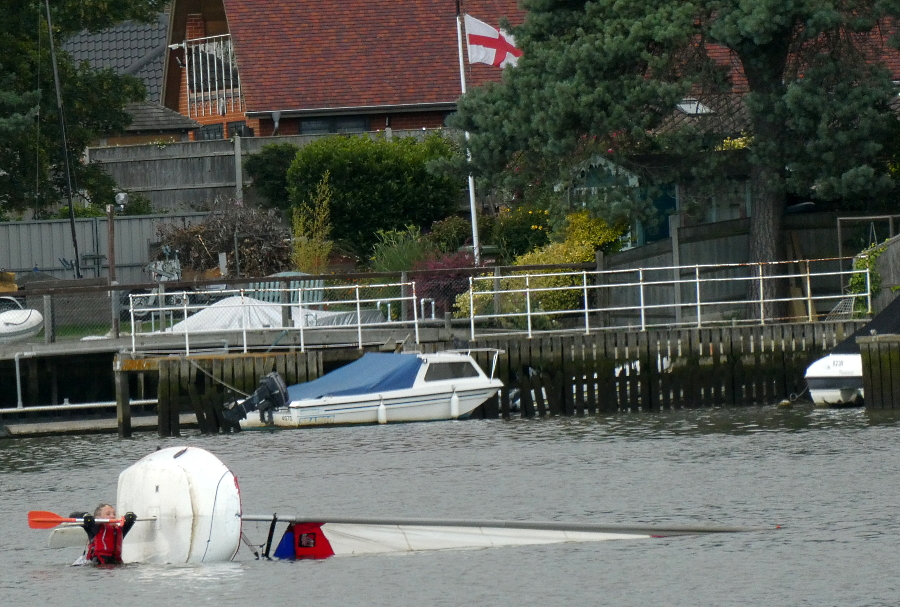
{"points": [[236, 313]]}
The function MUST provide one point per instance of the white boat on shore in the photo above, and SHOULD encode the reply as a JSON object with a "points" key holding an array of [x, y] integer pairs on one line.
{"points": [[19, 325], [377, 388]]}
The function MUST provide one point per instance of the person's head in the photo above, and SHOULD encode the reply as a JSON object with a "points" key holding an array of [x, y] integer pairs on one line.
{"points": [[105, 511]]}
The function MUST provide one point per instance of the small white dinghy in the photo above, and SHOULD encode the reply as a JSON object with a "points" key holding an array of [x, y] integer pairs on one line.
{"points": [[194, 500], [19, 325]]}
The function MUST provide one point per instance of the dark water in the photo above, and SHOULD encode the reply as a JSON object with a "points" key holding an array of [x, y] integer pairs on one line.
{"points": [[829, 477]]}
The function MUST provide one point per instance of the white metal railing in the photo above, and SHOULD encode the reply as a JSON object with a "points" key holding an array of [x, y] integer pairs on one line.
{"points": [[213, 85], [287, 309], [683, 296]]}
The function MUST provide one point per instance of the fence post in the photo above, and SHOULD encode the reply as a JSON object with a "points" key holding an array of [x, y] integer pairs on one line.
{"points": [[359, 316], [415, 313], [810, 310], [497, 302], [49, 320], [587, 320], [602, 291], [238, 170]]}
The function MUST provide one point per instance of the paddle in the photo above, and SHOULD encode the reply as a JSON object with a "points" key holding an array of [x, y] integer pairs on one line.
{"points": [[42, 519]]}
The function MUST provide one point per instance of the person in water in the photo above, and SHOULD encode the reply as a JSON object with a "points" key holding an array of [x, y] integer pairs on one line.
{"points": [[105, 539]]}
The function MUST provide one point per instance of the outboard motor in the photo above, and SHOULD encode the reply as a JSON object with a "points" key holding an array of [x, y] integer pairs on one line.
{"points": [[271, 395]]}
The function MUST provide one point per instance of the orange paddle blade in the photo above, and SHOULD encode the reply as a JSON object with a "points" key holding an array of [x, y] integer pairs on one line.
{"points": [[42, 519]]}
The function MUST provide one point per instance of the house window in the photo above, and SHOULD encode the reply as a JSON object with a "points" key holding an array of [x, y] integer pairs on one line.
{"points": [[208, 132], [239, 129], [335, 124]]}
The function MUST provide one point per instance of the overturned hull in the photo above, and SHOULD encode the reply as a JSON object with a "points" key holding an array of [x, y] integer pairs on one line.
{"points": [[194, 503]]}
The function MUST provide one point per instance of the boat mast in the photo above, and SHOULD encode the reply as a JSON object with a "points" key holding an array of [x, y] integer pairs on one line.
{"points": [[65, 147]]}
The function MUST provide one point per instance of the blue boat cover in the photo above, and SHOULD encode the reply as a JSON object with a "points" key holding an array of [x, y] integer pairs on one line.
{"points": [[374, 372]]}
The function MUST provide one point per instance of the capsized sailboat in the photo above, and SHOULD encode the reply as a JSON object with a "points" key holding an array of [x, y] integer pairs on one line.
{"points": [[189, 508]]}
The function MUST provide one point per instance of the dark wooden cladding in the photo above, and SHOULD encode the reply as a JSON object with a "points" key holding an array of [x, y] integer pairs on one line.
{"points": [[881, 371], [617, 371], [203, 383], [572, 375]]}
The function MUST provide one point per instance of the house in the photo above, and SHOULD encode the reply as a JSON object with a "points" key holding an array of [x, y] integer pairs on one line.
{"points": [[273, 67], [136, 49]]}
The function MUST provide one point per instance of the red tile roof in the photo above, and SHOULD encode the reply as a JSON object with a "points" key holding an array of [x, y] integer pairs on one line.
{"points": [[308, 55]]}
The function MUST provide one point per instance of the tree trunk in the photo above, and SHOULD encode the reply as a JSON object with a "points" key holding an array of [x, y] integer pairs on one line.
{"points": [[766, 241]]}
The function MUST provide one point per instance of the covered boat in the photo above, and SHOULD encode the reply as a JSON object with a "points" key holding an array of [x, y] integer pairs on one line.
{"points": [[377, 388]]}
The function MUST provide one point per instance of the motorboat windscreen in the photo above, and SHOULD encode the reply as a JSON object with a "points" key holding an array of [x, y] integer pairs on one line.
{"points": [[374, 372]]}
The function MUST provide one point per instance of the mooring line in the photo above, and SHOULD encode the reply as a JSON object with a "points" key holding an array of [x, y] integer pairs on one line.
{"points": [[214, 378]]}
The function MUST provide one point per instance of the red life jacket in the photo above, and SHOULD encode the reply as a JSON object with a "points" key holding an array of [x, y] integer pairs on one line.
{"points": [[106, 545]]}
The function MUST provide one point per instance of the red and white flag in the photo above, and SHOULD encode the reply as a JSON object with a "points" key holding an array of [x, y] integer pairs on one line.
{"points": [[489, 45]]}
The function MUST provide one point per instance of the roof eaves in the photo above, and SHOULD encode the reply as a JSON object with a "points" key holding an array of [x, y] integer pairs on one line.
{"points": [[441, 106]]}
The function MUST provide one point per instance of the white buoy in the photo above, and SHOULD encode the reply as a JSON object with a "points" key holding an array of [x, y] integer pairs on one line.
{"points": [[454, 406], [382, 413]]}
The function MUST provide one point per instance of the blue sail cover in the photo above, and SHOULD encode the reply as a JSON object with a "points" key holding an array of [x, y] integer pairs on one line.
{"points": [[374, 372]]}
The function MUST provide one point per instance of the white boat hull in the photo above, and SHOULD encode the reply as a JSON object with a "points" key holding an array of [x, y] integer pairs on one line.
{"points": [[194, 501], [19, 325], [412, 405], [836, 380], [347, 540]]}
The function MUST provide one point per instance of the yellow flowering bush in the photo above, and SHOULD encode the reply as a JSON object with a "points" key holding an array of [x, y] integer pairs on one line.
{"points": [[583, 236]]}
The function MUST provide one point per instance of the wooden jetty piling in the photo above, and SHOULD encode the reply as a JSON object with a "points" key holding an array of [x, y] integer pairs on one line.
{"points": [[881, 370], [203, 383]]}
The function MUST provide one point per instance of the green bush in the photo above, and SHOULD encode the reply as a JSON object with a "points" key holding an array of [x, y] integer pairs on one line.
{"points": [[378, 185], [269, 168], [400, 250], [520, 230]]}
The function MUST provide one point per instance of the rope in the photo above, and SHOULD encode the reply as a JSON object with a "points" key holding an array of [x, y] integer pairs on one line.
{"points": [[215, 379]]}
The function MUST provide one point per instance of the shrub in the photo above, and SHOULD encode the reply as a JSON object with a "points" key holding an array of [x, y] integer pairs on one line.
{"points": [[379, 185], [584, 235], [520, 230], [269, 168], [399, 250]]}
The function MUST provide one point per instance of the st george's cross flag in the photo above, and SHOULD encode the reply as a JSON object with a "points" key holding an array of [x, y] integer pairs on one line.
{"points": [[489, 45]]}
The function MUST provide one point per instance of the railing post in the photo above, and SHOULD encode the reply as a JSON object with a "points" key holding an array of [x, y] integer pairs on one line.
{"points": [[187, 343], [643, 312], [302, 319], [528, 303], [697, 295], [810, 310], [869, 290], [587, 320], [244, 321], [131, 313], [497, 302], [415, 312], [762, 296], [472, 308], [359, 316], [404, 293]]}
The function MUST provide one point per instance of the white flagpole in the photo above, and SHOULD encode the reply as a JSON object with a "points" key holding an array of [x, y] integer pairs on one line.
{"points": [[476, 246]]}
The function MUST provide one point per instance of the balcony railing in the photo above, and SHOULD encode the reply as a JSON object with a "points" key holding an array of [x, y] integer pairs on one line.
{"points": [[213, 85]]}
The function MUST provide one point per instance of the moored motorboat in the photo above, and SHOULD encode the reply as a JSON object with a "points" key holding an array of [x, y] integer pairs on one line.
{"points": [[377, 388], [836, 379]]}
